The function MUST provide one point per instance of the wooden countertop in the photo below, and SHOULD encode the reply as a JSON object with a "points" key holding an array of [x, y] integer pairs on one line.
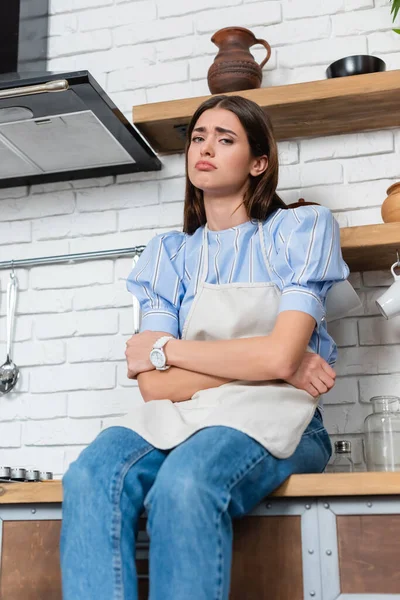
{"points": [[313, 485]]}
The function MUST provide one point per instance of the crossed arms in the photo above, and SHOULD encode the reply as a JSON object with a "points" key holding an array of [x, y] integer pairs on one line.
{"points": [[282, 355]]}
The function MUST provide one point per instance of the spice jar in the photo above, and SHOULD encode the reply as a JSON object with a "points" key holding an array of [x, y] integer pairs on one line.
{"points": [[342, 462]]}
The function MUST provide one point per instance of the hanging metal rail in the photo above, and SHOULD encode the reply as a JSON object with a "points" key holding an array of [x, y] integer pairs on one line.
{"points": [[71, 258], [135, 252]]}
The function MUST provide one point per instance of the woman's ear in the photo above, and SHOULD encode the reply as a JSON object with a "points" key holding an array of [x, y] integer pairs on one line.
{"points": [[259, 165]]}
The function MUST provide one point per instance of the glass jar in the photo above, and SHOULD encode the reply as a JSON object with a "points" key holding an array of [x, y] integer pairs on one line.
{"points": [[382, 435], [342, 462]]}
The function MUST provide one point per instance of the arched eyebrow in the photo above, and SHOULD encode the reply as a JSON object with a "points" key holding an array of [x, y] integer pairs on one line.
{"points": [[219, 129]]}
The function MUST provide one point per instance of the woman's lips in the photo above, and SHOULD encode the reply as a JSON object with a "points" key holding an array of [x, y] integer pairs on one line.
{"points": [[204, 166]]}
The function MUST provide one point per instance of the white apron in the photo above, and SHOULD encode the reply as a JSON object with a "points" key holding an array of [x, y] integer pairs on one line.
{"points": [[273, 413]]}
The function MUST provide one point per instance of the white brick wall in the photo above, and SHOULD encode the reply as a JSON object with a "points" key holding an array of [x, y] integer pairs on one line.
{"points": [[73, 320]]}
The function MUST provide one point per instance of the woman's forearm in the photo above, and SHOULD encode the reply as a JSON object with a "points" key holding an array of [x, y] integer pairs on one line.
{"points": [[247, 358], [268, 357], [175, 384]]}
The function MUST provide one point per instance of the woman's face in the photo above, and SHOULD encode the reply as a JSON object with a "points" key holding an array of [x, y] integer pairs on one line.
{"points": [[218, 138]]}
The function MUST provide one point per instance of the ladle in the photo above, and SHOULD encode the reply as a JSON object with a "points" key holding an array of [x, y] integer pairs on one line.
{"points": [[9, 372]]}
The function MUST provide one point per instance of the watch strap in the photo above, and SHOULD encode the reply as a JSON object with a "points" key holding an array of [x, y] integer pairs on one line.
{"points": [[160, 343]]}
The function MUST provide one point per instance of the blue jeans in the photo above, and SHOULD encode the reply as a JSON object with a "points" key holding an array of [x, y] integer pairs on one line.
{"points": [[191, 494]]}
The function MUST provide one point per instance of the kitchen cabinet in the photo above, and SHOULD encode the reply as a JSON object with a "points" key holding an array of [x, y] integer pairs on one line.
{"points": [[324, 537]]}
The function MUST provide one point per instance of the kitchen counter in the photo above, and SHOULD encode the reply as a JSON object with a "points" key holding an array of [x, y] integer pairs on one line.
{"points": [[297, 486]]}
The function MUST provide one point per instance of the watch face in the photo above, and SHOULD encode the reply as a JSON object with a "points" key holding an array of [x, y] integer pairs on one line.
{"points": [[157, 358]]}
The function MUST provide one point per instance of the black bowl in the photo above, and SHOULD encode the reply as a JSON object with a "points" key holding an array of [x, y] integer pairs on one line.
{"points": [[355, 65]]}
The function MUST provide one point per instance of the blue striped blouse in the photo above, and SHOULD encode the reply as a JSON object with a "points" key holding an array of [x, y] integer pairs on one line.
{"points": [[303, 247]]}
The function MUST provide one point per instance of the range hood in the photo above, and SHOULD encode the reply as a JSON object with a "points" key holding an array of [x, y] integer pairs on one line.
{"points": [[60, 126]]}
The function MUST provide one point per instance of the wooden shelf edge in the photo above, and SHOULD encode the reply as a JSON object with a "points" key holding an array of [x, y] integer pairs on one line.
{"points": [[297, 110], [309, 485], [370, 247], [370, 236], [293, 93]]}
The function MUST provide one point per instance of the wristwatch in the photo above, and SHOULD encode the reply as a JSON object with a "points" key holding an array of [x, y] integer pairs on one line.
{"points": [[157, 355]]}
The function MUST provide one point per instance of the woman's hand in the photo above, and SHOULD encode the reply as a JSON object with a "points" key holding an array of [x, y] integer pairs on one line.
{"points": [[137, 352], [314, 375]]}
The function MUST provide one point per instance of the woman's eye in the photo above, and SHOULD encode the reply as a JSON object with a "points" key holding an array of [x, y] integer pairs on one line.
{"points": [[197, 137]]}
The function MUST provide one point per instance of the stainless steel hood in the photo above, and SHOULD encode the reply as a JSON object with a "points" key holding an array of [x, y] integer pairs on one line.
{"points": [[62, 126], [69, 134]]}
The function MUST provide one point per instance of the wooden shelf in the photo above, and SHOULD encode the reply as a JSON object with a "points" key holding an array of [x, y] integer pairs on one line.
{"points": [[321, 484], [315, 108], [370, 247]]}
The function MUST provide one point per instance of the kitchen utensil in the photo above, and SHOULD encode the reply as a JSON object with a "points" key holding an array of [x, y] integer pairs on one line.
{"points": [[355, 65], [5, 472], [11, 474], [9, 371], [136, 305], [32, 475], [18, 473], [234, 67]]}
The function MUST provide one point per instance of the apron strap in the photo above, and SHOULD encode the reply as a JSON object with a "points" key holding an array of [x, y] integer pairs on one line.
{"points": [[264, 250], [204, 252]]}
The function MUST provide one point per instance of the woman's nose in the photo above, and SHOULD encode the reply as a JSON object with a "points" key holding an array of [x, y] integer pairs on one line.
{"points": [[207, 148]]}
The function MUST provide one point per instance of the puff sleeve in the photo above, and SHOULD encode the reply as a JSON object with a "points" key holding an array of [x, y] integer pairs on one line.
{"points": [[157, 282], [309, 259]]}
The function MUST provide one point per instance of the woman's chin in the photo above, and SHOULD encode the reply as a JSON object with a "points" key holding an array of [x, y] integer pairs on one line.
{"points": [[204, 182], [208, 190]]}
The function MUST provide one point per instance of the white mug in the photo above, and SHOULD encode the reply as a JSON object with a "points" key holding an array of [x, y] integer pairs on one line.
{"points": [[389, 302], [341, 301]]}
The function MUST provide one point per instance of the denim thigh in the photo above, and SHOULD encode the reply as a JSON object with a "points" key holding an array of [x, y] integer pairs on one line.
{"points": [[237, 467], [311, 456]]}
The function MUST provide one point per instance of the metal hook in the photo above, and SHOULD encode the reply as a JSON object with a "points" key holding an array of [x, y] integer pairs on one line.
{"points": [[12, 274]]}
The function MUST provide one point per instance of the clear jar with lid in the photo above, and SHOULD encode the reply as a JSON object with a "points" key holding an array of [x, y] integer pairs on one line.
{"points": [[382, 434], [342, 462]]}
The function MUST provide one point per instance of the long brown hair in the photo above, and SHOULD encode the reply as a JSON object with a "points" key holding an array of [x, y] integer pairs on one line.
{"points": [[260, 198]]}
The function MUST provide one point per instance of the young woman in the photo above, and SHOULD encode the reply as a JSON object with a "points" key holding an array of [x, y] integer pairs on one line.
{"points": [[232, 359]]}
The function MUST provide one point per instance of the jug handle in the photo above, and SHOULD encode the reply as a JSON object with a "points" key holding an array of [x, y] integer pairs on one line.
{"points": [[268, 47]]}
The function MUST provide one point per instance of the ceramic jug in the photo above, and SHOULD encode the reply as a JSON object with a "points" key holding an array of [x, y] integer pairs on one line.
{"points": [[234, 67], [390, 209], [301, 202]]}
